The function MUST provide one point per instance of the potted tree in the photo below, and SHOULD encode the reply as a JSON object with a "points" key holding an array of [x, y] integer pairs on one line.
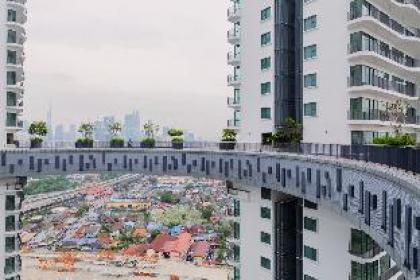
{"points": [[228, 139], [289, 134], [86, 141], [150, 130], [38, 130], [116, 141], [177, 139]]}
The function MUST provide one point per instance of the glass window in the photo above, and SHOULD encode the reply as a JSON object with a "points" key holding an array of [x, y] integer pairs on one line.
{"points": [[236, 208], [11, 37], [310, 80], [10, 265], [265, 238], [236, 273], [265, 88], [265, 193], [310, 109], [310, 52], [266, 13], [265, 63], [265, 39], [11, 57], [236, 230], [10, 223], [310, 224], [11, 15], [266, 113], [10, 244], [309, 23], [11, 78], [10, 203], [265, 213], [310, 253], [11, 99], [265, 263]]}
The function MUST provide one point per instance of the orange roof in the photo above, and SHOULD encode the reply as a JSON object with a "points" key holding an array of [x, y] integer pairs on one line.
{"points": [[135, 250], [200, 249], [183, 242], [140, 232], [160, 240]]}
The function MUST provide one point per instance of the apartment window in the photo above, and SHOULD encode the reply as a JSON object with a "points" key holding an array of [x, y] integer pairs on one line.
{"points": [[310, 224], [310, 253], [366, 271], [265, 88], [11, 119], [266, 113], [265, 39], [11, 15], [236, 208], [236, 253], [265, 238], [10, 265], [266, 13], [10, 203], [11, 36], [10, 223], [236, 230], [236, 273], [265, 193], [11, 57], [11, 78], [265, 63], [11, 99], [265, 213], [309, 23], [310, 52], [265, 263], [310, 80], [309, 109], [10, 243], [307, 277]]}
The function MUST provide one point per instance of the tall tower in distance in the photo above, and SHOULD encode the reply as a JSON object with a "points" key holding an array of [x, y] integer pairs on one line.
{"points": [[12, 79]]}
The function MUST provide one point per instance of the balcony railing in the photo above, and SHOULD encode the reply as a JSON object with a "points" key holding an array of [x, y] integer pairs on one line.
{"points": [[233, 12], [383, 83], [379, 115], [358, 12], [233, 35], [233, 79], [233, 123], [415, 3], [233, 57], [232, 101]]}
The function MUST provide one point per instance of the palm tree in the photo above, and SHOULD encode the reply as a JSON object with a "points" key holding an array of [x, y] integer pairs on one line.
{"points": [[115, 128], [150, 129]]}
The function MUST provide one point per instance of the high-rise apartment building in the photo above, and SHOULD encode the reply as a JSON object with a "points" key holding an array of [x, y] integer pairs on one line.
{"points": [[339, 67], [12, 80], [336, 66]]}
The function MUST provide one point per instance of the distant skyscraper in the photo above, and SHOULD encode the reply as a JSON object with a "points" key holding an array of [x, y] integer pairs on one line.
{"points": [[72, 133], [59, 133], [50, 135], [102, 132], [132, 126]]}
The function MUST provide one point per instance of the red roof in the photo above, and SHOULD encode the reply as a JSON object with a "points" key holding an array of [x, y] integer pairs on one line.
{"points": [[200, 249], [160, 240], [135, 250], [183, 243]]}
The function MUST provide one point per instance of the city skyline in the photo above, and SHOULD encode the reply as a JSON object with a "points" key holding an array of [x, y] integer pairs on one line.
{"points": [[184, 62]]}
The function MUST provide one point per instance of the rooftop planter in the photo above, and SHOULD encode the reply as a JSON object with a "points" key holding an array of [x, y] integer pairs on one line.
{"points": [[177, 139], [116, 141], [228, 139], [38, 130], [147, 143], [86, 141]]}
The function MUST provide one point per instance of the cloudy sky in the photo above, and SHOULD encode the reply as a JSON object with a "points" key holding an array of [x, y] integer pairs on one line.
{"points": [[90, 58]]}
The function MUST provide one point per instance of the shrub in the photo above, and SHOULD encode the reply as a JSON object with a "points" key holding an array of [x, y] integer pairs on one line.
{"points": [[38, 129], [398, 140], [290, 132], [229, 135], [117, 140], [84, 141], [148, 141], [36, 140], [175, 132], [177, 139]]}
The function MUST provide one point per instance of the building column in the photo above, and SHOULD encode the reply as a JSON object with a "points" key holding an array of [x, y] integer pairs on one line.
{"points": [[11, 198]]}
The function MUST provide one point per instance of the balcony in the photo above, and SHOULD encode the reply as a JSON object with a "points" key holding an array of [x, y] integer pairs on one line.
{"points": [[233, 58], [378, 117], [234, 13], [234, 124], [233, 36], [233, 80], [377, 23], [233, 102], [410, 9]]}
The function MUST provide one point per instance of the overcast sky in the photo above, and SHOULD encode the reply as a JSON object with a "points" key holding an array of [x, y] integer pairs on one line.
{"points": [[90, 58]]}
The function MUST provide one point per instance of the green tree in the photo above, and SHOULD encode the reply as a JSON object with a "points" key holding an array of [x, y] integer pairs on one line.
{"points": [[207, 212], [168, 197], [290, 132]]}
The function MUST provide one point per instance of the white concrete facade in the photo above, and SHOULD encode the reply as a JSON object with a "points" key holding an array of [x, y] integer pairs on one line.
{"points": [[12, 19], [336, 120], [252, 26]]}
